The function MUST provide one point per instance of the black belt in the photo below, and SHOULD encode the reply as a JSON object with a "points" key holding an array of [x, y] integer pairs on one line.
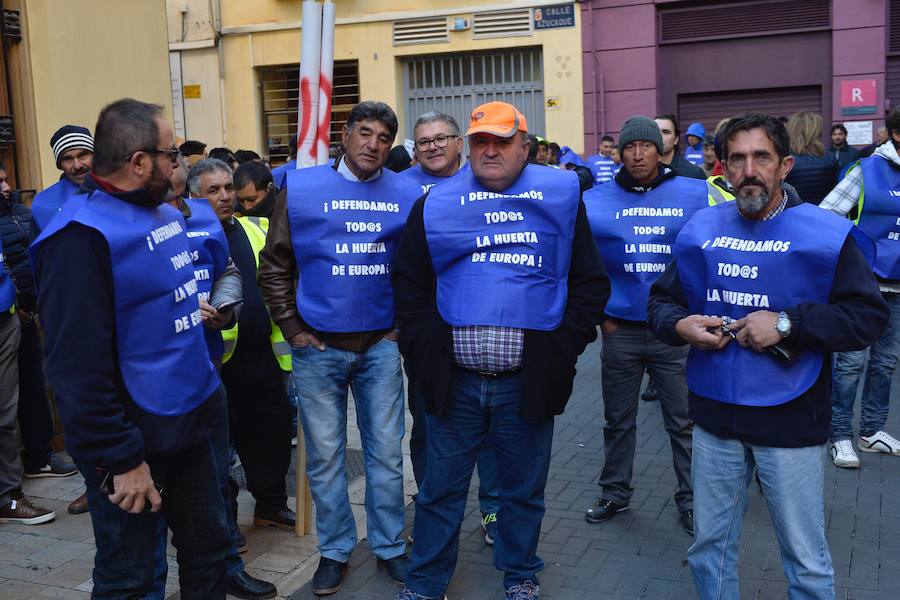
{"points": [[494, 375]]}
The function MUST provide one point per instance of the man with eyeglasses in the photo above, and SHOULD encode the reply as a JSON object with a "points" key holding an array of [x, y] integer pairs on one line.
{"points": [[438, 149], [124, 339], [439, 155]]}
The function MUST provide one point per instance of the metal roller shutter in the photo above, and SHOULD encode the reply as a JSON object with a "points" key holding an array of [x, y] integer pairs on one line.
{"points": [[710, 108], [456, 83]]}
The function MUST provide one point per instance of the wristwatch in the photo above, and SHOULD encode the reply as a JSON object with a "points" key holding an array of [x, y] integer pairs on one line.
{"points": [[783, 325]]}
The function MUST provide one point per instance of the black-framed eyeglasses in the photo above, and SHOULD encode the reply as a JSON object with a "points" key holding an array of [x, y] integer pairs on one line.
{"points": [[172, 153], [440, 141]]}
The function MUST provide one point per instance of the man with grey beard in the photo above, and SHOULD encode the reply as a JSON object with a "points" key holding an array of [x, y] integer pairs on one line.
{"points": [[786, 286]]}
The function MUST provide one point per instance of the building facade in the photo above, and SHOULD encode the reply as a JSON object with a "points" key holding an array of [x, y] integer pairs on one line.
{"points": [[704, 61], [62, 62], [235, 65]]}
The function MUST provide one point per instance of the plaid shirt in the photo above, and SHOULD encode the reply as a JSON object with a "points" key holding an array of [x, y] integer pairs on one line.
{"points": [[488, 348]]}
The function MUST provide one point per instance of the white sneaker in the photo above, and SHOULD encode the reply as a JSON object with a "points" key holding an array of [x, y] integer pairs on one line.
{"points": [[843, 455], [880, 441]]}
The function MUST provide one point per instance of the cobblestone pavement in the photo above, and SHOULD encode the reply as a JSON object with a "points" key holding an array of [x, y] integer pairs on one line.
{"points": [[640, 554]]}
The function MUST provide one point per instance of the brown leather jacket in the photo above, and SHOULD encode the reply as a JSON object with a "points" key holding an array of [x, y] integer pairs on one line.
{"points": [[278, 282]]}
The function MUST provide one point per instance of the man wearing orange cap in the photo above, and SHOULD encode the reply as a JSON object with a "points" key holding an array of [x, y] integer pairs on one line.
{"points": [[498, 287]]}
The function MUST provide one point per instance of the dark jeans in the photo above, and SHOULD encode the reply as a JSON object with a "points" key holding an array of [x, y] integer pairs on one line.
{"points": [[481, 410], [626, 354], [193, 507], [35, 422], [259, 414], [488, 501], [221, 445]]}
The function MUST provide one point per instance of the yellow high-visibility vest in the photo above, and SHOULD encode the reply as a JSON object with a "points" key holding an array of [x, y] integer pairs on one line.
{"points": [[256, 229], [717, 190]]}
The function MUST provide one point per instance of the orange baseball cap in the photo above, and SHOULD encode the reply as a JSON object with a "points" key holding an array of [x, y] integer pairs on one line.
{"points": [[497, 118]]}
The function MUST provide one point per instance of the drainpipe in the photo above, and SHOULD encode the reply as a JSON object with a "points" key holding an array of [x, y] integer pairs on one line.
{"points": [[602, 98], [217, 25]]}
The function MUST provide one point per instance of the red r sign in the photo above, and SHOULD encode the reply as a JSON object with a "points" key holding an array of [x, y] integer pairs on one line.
{"points": [[859, 96]]}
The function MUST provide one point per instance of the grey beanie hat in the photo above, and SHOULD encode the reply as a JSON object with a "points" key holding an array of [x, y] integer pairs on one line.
{"points": [[640, 128]]}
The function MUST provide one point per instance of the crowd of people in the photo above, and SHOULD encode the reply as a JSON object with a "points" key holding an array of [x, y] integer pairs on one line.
{"points": [[193, 304]]}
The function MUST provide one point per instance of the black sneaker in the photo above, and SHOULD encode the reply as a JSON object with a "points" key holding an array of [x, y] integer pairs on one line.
{"points": [[244, 585], [687, 521], [240, 541], [603, 510], [396, 567], [57, 467], [282, 519], [328, 577]]}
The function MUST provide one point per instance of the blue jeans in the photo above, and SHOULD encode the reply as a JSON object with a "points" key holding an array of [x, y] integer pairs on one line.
{"points": [[321, 380], [488, 500], [193, 506], [481, 410], [876, 395], [234, 564], [792, 480]]}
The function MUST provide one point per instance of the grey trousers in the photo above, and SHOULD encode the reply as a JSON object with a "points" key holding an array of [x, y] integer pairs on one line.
{"points": [[10, 461], [626, 353]]}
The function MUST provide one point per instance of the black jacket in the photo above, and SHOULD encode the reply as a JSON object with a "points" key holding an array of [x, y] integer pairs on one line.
{"points": [[105, 429], [17, 232], [548, 357], [685, 168], [813, 176], [855, 316]]}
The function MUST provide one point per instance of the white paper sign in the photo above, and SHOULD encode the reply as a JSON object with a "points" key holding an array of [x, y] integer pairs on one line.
{"points": [[859, 133]]}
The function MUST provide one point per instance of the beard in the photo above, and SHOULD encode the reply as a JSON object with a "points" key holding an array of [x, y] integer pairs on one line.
{"points": [[158, 185], [751, 205]]}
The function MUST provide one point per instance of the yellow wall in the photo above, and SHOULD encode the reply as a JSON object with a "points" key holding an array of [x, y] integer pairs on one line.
{"points": [[202, 116], [84, 55], [379, 61]]}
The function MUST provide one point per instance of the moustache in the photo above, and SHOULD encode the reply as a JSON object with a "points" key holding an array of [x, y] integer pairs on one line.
{"points": [[753, 181]]}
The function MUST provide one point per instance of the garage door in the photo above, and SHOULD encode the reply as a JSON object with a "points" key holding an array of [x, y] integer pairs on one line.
{"points": [[456, 83], [710, 108]]}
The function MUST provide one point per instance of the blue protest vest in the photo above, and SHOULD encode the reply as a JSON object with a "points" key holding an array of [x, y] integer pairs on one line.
{"points": [[694, 155], [279, 173], [635, 232], [159, 336], [344, 234], [732, 266], [426, 180], [880, 215], [7, 289], [49, 202], [209, 251], [603, 168], [503, 258]]}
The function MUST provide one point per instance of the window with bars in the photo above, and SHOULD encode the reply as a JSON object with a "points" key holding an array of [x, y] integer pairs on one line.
{"points": [[280, 88]]}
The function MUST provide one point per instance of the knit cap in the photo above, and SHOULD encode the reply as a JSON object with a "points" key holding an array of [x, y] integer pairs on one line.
{"points": [[68, 137], [640, 129]]}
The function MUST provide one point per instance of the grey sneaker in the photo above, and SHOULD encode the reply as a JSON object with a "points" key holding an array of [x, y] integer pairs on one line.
{"points": [[57, 467], [527, 590]]}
